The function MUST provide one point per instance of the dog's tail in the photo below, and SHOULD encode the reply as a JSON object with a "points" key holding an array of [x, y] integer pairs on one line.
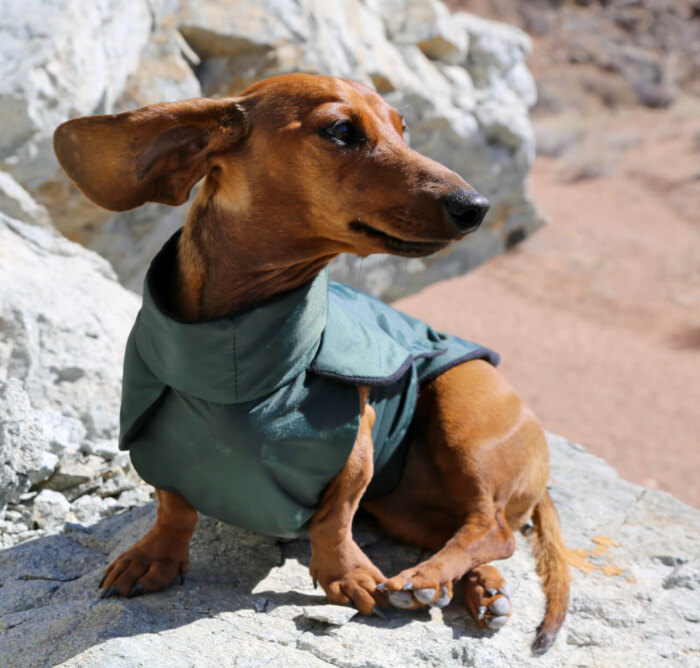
{"points": [[553, 569]]}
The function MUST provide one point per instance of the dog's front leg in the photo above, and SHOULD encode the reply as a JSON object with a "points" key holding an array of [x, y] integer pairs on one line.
{"points": [[337, 562], [160, 556]]}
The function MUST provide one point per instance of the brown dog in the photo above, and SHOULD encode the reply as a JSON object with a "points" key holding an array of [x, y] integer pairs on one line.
{"points": [[296, 170]]}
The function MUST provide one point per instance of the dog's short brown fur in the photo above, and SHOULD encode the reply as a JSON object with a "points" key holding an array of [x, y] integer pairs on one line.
{"points": [[281, 198]]}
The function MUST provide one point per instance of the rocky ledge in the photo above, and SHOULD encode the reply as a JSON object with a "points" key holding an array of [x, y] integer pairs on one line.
{"points": [[249, 600]]}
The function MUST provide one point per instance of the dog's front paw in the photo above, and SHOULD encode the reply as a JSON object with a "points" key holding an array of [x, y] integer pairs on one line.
{"points": [[418, 587], [347, 575], [150, 565]]}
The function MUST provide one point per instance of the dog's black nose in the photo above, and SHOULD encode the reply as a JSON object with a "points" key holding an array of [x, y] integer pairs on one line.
{"points": [[466, 209]]}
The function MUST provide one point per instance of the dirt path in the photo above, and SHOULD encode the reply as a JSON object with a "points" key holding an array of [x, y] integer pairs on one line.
{"points": [[597, 317]]}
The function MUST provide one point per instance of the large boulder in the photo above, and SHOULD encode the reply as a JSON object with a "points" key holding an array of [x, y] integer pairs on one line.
{"points": [[64, 319], [461, 83], [249, 600], [57, 60]]}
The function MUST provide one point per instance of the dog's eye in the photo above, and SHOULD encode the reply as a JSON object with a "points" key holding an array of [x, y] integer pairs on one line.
{"points": [[343, 133]]}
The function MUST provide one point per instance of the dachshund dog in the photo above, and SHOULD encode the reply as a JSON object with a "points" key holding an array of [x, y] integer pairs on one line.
{"points": [[296, 170]]}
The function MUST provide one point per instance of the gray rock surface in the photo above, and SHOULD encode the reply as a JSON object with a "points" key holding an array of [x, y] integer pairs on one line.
{"points": [[462, 84], [78, 66], [17, 203], [24, 455], [64, 319], [249, 601]]}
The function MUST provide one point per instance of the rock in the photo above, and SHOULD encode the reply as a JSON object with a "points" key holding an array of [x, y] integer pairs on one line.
{"points": [[61, 349], [335, 615], [117, 482], [499, 120], [105, 448], [136, 496], [131, 239], [63, 329], [13, 526], [164, 73], [428, 24], [79, 66], [92, 485], [89, 509], [17, 203], [636, 553], [24, 456], [75, 470], [494, 48], [64, 434], [213, 29], [49, 509]]}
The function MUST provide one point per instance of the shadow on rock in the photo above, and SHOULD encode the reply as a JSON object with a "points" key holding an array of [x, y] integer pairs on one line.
{"points": [[51, 611]]}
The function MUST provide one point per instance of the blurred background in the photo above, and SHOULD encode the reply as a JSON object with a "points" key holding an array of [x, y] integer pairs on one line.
{"points": [[580, 120]]}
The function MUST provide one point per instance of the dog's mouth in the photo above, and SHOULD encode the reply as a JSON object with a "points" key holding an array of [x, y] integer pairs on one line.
{"points": [[399, 246]]}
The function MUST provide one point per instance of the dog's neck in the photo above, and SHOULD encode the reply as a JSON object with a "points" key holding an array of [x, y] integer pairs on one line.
{"points": [[225, 266]]}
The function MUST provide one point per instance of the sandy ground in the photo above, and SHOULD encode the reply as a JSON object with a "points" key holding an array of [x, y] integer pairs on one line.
{"points": [[597, 316]]}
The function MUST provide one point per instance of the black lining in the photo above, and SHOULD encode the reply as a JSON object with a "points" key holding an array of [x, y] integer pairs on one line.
{"points": [[480, 353], [377, 381]]}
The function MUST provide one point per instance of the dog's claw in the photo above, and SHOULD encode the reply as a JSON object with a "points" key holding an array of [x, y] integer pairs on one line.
{"points": [[491, 592], [182, 578], [407, 587], [496, 622], [501, 606], [102, 581], [136, 590], [402, 599], [378, 612], [506, 591], [110, 591], [482, 612], [381, 587], [424, 595], [315, 583], [444, 598]]}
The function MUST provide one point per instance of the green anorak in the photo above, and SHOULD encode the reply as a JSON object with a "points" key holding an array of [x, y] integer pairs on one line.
{"points": [[250, 416]]}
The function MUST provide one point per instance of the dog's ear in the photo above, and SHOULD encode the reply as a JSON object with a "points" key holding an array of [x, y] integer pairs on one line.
{"points": [[153, 154]]}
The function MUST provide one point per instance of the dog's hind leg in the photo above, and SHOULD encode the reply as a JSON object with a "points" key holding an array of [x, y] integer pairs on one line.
{"points": [[477, 469], [483, 538], [337, 562], [160, 556]]}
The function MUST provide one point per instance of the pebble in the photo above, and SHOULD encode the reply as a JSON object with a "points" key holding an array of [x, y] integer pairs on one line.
{"points": [[50, 509], [336, 615]]}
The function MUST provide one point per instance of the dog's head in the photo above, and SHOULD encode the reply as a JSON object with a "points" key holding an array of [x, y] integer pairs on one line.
{"points": [[319, 160]]}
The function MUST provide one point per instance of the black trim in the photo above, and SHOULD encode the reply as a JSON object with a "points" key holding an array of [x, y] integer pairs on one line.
{"points": [[377, 381], [480, 353]]}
